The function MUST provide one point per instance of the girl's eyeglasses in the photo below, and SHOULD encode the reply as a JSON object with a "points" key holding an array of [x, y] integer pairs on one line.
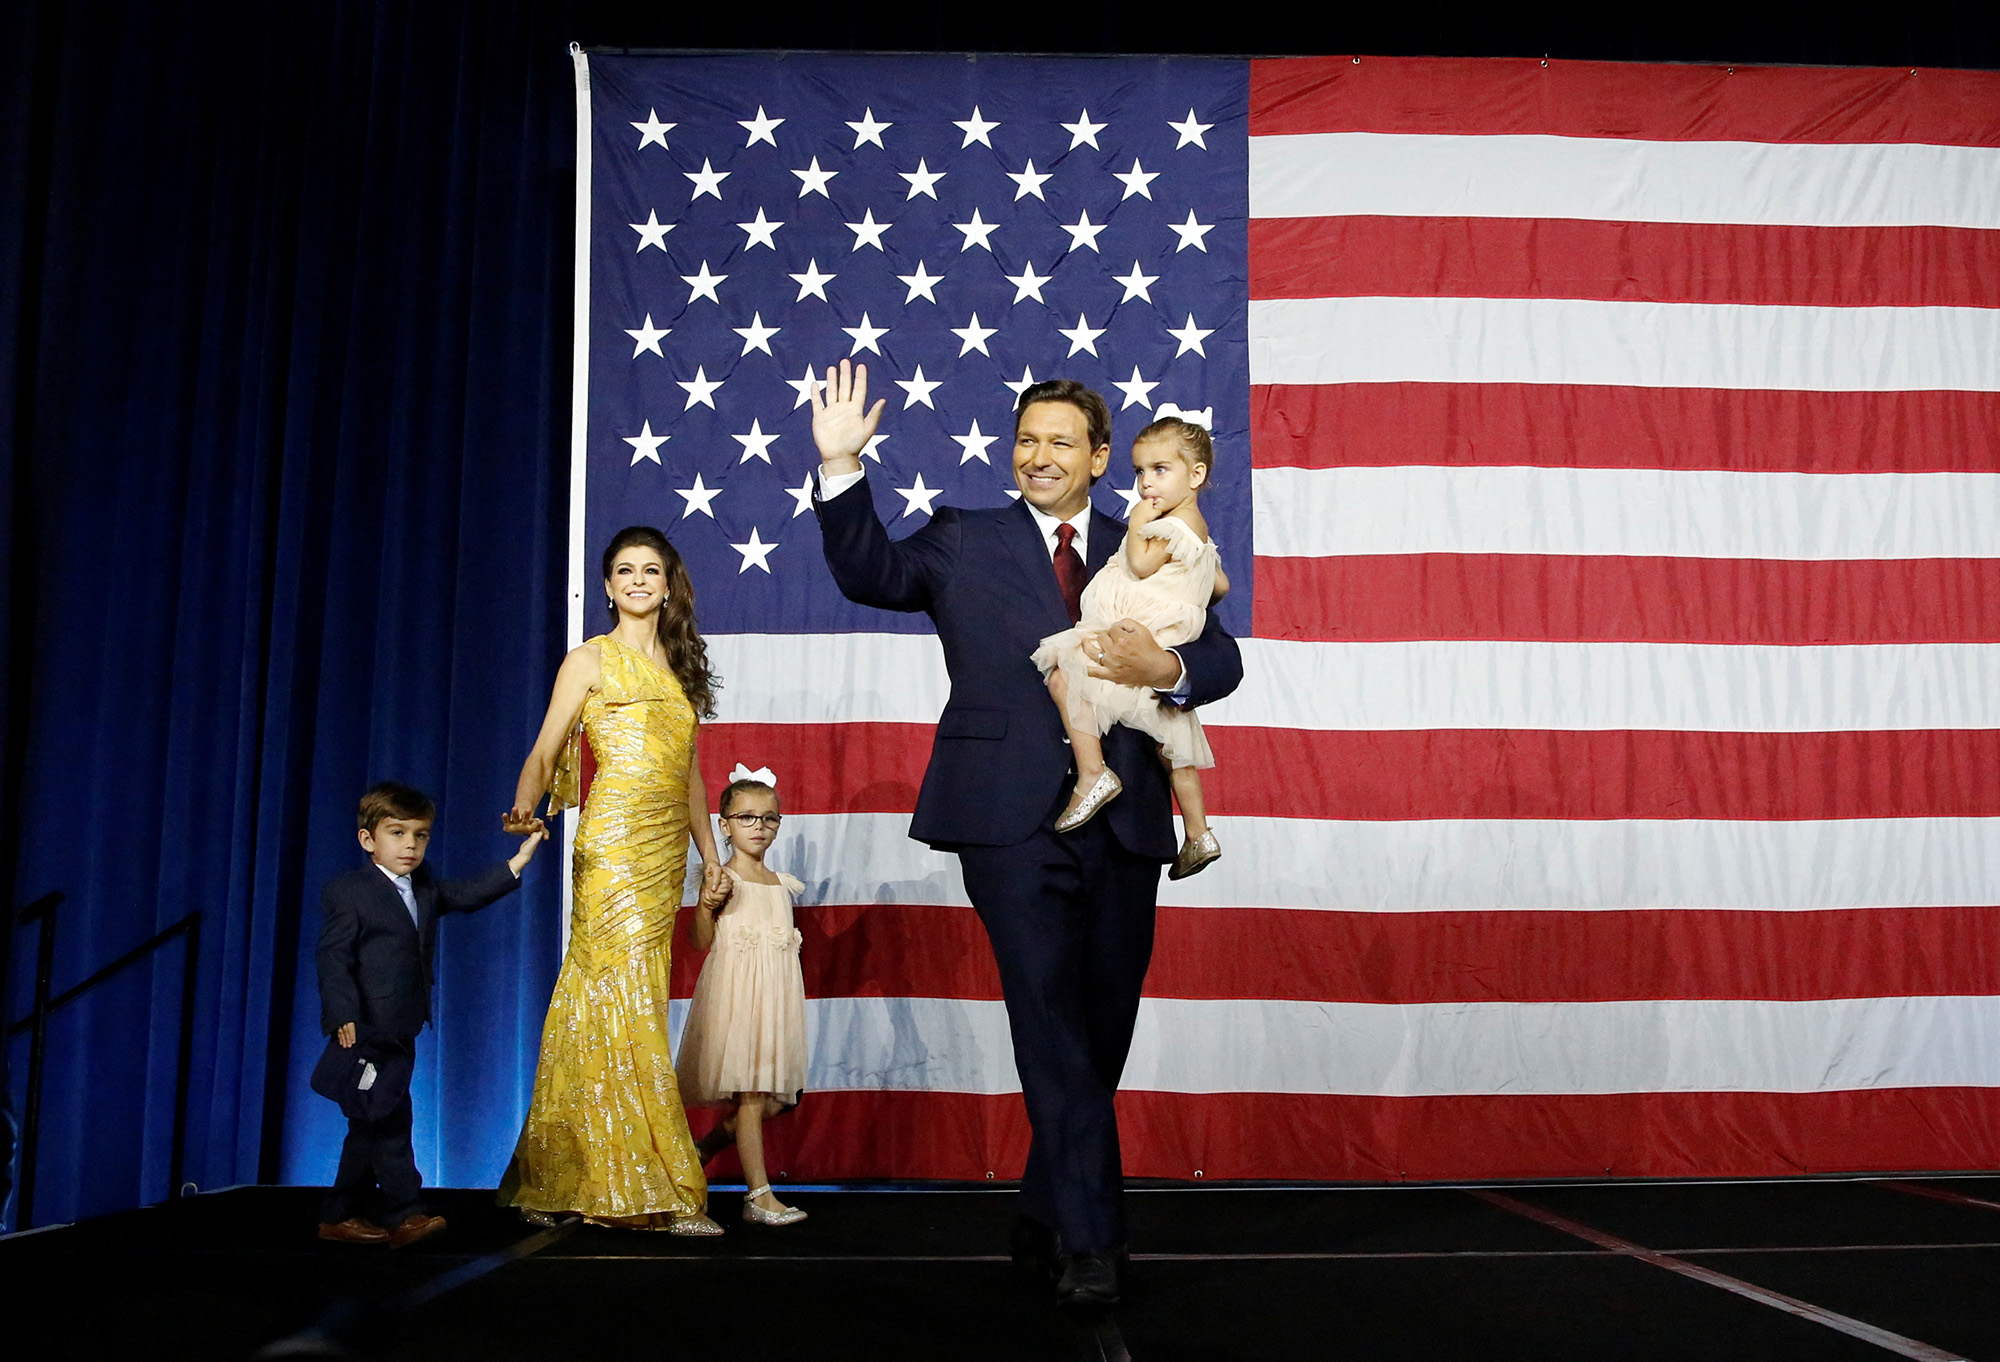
{"points": [[747, 821]]}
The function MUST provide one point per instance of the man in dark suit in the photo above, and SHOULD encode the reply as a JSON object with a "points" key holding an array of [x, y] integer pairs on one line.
{"points": [[377, 942], [1069, 915]]}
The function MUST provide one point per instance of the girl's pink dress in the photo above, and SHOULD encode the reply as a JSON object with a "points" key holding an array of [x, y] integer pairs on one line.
{"points": [[746, 1028]]}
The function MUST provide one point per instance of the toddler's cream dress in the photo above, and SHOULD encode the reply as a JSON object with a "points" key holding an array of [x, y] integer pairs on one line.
{"points": [[1173, 603]]}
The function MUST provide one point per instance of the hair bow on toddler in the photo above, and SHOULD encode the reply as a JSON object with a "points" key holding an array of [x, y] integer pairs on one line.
{"points": [[1205, 417], [762, 773]]}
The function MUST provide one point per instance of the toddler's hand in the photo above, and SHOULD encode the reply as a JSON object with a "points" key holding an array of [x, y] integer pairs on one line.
{"points": [[1144, 512]]}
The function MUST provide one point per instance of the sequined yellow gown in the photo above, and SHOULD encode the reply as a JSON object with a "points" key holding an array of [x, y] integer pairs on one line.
{"points": [[606, 1136]]}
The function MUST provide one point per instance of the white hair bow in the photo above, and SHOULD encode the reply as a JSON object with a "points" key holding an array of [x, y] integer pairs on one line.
{"points": [[1205, 417], [762, 773]]}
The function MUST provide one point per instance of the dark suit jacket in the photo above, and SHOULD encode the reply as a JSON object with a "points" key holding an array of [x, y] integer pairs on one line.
{"points": [[374, 963], [999, 762]]}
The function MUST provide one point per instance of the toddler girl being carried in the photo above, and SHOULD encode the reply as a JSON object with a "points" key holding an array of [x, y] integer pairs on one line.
{"points": [[1165, 576]]}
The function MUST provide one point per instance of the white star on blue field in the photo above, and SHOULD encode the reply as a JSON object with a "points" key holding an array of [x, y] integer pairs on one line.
{"points": [[962, 227]]}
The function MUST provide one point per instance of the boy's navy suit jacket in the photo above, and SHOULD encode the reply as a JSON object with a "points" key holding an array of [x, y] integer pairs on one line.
{"points": [[1000, 764], [374, 963]]}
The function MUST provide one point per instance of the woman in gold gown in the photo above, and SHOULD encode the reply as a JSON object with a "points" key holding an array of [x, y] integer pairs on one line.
{"points": [[606, 1137]]}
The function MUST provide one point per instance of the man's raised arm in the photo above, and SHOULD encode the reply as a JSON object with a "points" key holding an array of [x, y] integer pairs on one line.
{"points": [[869, 567]]}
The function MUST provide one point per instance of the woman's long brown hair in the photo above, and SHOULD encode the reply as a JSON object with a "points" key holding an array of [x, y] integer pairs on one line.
{"points": [[687, 655]]}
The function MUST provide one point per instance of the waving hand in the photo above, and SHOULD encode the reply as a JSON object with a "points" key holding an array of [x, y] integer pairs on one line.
{"points": [[843, 422]]}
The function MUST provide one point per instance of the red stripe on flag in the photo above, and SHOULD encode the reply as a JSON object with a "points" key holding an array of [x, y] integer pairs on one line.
{"points": [[1396, 1139], [1666, 262], [825, 768], [1573, 957], [1720, 1134], [1603, 773], [1473, 772], [1484, 96], [1571, 598], [1585, 426], [879, 950], [917, 951]]}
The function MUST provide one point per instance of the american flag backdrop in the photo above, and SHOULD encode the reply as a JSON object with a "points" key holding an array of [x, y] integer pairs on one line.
{"points": [[1610, 480]]}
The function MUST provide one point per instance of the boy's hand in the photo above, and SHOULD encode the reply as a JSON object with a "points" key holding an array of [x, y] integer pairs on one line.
{"points": [[519, 860], [521, 822], [345, 1035]]}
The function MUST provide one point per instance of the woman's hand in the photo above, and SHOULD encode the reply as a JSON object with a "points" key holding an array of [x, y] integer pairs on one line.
{"points": [[716, 886], [519, 822]]}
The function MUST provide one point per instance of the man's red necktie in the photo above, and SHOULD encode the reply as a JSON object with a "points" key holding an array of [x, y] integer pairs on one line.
{"points": [[1069, 571]]}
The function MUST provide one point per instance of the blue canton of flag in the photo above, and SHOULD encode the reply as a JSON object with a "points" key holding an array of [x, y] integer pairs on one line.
{"points": [[963, 226]]}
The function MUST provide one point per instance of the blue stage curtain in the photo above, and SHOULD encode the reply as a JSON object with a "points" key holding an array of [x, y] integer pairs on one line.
{"points": [[286, 391]]}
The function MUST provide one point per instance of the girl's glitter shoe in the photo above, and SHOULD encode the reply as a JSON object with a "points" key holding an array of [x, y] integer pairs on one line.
{"points": [[1102, 791], [753, 1214], [1195, 856]]}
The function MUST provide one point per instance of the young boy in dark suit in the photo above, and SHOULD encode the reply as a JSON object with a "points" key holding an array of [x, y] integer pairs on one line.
{"points": [[376, 945]]}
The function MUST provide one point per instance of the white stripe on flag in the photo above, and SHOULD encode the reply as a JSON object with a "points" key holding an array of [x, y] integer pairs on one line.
{"points": [[1435, 1049], [1646, 345], [1643, 512], [1474, 864], [1738, 688], [1623, 180], [829, 678]]}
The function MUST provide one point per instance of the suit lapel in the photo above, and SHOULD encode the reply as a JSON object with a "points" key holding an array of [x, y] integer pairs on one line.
{"points": [[1023, 540], [394, 899], [425, 891], [1106, 535]]}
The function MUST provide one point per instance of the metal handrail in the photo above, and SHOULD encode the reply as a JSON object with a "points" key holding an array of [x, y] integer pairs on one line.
{"points": [[43, 910]]}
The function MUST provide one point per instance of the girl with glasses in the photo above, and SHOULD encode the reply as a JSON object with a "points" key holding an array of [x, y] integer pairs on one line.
{"points": [[744, 1047]]}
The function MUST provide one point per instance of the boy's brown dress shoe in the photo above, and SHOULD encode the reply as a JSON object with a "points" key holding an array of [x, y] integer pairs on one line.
{"points": [[353, 1231], [413, 1228]]}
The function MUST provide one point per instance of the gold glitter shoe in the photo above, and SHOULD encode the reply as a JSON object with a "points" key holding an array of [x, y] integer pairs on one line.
{"points": [[1197, 853], [1086, 806], [692, 1225], [753, 1214]]}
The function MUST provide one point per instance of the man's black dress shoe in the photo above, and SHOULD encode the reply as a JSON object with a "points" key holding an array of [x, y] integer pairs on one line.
{"points": [[1091, 1279], [1033, 1246]]}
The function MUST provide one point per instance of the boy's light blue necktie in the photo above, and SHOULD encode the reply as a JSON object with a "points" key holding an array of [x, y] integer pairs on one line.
{"points": [[402, 883]]}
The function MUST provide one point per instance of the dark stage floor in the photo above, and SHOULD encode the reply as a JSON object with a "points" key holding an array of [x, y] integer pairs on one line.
{"points": [[1803, 1270]]}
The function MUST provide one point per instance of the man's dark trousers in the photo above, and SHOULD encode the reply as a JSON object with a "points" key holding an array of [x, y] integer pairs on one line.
{"points": [[1070, 916]]}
